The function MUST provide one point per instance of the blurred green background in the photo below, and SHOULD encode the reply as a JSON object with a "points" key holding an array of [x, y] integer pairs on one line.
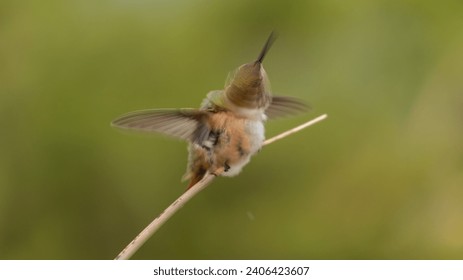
{"points": [[381, 178]]}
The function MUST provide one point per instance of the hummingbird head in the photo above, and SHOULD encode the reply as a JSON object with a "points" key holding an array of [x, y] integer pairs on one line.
{"points": [[252, 74], [249, 75], [249, 87]]}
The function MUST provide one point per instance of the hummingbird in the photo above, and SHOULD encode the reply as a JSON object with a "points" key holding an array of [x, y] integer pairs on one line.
{"points": [[228, 128]]}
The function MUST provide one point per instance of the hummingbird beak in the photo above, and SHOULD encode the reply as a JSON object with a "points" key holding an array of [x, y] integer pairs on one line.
{"points": [[266, 47]]}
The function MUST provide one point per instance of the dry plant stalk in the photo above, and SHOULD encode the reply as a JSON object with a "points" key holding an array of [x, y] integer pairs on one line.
{"points": [[144, 235]]}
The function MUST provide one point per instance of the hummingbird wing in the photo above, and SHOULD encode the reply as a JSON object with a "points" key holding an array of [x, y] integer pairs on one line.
{"points": [[186, 124], [282, 106]]}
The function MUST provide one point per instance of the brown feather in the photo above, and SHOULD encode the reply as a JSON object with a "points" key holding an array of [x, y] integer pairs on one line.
{"points": [[186, 124], [282, 106]]}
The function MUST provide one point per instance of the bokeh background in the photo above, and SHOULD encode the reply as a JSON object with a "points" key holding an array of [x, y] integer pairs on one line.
{"points": [[381, 178]]}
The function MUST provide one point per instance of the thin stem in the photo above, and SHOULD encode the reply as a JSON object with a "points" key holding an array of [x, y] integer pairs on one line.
{"points": [[294, 130], [141, 238]]}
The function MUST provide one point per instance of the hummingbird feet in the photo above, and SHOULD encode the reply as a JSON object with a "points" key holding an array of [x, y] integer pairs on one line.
{"points": [[226, 167], [217, 172]]}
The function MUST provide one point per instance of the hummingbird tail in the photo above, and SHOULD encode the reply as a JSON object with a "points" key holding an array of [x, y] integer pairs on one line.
{"points": [[196, 177]]}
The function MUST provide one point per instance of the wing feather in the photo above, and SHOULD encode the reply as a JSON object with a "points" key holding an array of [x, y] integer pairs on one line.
{"points": [[282, 106], [186, 124]]}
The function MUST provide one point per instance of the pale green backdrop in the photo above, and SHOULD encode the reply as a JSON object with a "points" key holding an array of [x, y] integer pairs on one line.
{"points": [[381, 178]]}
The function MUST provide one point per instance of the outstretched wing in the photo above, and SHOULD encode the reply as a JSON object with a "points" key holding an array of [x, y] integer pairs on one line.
{"points": [[186, 124], [282, 106]]}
